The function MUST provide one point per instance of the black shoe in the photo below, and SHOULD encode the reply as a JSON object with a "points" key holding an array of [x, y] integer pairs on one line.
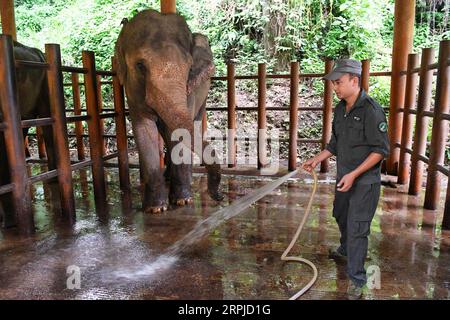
{"points": [[354, 292], [336, 254]]}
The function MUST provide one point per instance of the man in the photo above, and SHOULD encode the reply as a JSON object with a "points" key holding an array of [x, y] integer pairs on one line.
{"points": [[360, 143]]}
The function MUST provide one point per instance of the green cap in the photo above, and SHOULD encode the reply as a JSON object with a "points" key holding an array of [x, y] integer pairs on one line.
{"points": [[343, 66]]}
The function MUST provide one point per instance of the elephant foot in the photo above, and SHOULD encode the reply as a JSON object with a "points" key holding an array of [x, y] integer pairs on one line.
{"points": [[7, 221], [155, 210], [180, 194], [183, 201], [214, 178], [9, 224], [155, 197], [216, 195]]}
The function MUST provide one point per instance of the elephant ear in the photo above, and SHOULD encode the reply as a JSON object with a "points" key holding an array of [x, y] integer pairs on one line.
{"points": [[119, 57], [202, 62]]}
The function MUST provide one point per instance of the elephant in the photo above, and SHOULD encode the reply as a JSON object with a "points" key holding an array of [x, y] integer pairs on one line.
{"points": [[33, 101], [166, 72]]}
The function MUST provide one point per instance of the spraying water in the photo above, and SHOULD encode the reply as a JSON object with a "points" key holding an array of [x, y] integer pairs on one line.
{"points": [[161, 263], [202, 229]]}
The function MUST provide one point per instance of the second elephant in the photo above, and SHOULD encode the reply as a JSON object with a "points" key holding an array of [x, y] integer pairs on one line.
{"points": [[33, 101]]}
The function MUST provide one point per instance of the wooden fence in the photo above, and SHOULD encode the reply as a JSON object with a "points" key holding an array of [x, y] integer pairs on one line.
{"points": [[412, 153]]}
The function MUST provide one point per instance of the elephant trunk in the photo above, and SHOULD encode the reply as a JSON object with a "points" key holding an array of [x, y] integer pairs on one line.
{"points": [[174, 112]]}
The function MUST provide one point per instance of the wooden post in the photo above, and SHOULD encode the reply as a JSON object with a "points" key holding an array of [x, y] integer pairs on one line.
{"points": [[121, 131], [14, 138], [293, 116], [420, 134], [407, 129], [327, 119], [77, 111], [8, 18], [95, 136], [58, 111], [365, 74], [262, 126], [100, 110], [404, 17], [231, 102], [439, 134], [168, 6], [204, 123]]}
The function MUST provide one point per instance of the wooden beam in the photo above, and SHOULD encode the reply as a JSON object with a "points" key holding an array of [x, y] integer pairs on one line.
{"points": [[404, 16], [95, 136], [327, 113], [407, 130], [293, 116], [57, 109], [8, 20], [421, 127], [440, 131], [365, 75], [168, 6], [262, 117], [231, 107]]}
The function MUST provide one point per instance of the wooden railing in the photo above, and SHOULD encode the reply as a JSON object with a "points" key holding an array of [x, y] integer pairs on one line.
{"points": [[413, 148], [95, 113], [12, 130]]}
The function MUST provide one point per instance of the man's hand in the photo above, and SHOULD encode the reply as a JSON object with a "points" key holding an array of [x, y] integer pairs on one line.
{"points": [[310, 164], [346, 182]]}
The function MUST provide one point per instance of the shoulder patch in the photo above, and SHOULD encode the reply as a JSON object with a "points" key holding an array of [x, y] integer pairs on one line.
{"points": [[382, 126]]}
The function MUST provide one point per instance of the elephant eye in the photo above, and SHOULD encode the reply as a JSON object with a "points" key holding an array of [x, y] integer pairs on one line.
{"points": [[140, 66]]}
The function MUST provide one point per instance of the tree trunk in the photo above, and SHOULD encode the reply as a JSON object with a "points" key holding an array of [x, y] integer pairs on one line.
{"points": [[274, 28]]}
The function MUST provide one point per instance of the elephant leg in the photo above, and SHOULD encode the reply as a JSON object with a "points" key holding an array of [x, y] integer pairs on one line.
{"points": [[6, 203], [47, 132], [213, 170], [146, 135], [214, 178], [179, 175], [180, 184], [26, 142], [175, 116]]}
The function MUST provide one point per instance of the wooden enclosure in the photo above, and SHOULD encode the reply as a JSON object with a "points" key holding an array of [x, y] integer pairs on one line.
{"points": [[412, 151], [12, 129]]}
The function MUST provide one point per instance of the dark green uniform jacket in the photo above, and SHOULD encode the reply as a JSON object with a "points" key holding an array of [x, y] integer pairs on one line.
{"points": [[356, 135]]}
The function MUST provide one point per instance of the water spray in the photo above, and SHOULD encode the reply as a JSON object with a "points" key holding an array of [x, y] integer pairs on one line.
{"points": [[205, 226]]}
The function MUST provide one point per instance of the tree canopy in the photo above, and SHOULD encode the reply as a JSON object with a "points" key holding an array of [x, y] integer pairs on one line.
{"points": [[244, 31]]}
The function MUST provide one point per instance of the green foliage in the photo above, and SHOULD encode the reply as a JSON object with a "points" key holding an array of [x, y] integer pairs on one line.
{"points": [[351, 31], [246, 32], [76, 25], [243, 31], [379, 90], [431, 23]]}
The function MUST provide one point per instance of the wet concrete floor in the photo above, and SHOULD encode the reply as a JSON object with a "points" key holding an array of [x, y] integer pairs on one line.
{"points": [[122, 253]]}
